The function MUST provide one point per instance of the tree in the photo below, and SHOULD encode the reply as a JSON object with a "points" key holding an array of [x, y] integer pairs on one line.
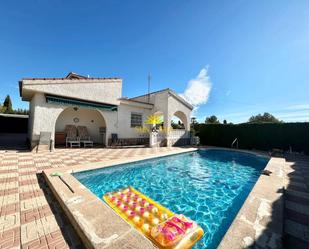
{"points": [[194, 121], [224, 122], [212, 120], [7, 105], [265, 118], [178, 125]]}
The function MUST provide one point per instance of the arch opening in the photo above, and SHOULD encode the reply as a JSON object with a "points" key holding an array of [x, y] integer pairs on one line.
{"points": [[179, 121], [90, 118]]}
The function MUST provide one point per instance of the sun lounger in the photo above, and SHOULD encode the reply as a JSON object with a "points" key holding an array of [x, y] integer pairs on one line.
{"points": [[84, 136], [71, 136]]}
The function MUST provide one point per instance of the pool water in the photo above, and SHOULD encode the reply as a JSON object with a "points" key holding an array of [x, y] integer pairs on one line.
{"points": [[208, 186]]}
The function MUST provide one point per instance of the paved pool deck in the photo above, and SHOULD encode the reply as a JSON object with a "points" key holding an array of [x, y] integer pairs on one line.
{"points": [[31, 217]]}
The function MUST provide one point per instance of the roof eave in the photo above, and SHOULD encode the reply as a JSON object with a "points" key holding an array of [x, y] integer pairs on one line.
{"points": [[182, 100]]}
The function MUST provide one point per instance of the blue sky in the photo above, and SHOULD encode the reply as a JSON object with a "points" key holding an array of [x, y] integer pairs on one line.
{"points": [[232, 59]]}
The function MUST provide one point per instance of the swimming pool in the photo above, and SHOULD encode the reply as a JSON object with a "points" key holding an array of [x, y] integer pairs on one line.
{"points": [[209, 186]]}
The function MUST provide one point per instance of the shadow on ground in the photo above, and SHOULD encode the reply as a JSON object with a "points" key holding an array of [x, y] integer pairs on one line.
{"points": [[295, 201], [13, 141], [70, 236], [296, 210]]}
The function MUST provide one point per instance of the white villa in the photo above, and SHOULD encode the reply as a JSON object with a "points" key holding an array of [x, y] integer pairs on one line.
{"points": [[97, 103]]}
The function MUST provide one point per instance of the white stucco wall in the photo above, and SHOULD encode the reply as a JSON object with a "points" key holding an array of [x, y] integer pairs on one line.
{"points": [[178, 109], [44, 117], [31, 118], [124, 120], [167, 104], [104, 90]]}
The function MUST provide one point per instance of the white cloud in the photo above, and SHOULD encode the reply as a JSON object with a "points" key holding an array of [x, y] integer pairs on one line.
{"points": [[198, 89], [298, 107]]}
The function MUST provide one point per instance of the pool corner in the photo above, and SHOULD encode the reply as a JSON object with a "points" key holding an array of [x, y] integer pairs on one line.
{"points": [[260, 220]]}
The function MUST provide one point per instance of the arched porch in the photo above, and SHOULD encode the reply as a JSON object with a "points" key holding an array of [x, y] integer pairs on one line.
{"points": [[92, 119], [174, 130]]}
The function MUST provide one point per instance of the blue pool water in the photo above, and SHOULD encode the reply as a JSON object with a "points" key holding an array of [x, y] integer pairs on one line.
{"points": [[208, 186]]}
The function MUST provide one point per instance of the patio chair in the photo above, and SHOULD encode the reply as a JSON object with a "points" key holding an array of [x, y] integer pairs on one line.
{"points": [[71, 136], [45, 142], [84, 136]]}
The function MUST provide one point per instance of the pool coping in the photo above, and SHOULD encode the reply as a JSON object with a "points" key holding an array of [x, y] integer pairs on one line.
{"points": [[99, 227]]}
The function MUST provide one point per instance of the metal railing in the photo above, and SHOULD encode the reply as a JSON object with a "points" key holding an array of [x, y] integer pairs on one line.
{"points": [[235, 141]]}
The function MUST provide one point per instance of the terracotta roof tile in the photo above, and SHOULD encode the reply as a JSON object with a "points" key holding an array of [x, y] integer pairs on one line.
{"points": [[91, 78]]}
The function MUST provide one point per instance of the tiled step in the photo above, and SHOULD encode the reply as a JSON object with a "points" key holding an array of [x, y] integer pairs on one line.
{"points": [[296, 217], [304, 195], [296, 198], [297, 207], [297, 230], [295, 243]]}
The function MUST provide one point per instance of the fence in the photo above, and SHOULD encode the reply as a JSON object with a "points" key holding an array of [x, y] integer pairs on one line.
{"points": [[179, 137], [13, 123], [176, 137], [265, 136]]}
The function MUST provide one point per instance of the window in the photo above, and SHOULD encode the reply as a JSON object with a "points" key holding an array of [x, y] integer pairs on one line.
{"points": [[136, 120]]}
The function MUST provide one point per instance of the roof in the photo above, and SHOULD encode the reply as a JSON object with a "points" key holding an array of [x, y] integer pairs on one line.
{"points": [[73, 76], [136, 103], [170, 91], [133, 100], [70, 78]]}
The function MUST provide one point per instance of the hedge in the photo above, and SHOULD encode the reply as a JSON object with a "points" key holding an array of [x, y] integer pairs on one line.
{"points": [[264, 136]]}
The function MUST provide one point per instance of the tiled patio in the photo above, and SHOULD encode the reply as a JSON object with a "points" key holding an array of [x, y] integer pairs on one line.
{"points": [[30, 217]]}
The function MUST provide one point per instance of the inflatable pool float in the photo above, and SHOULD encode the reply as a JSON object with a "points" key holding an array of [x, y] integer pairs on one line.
{"points": [[160, 225]]}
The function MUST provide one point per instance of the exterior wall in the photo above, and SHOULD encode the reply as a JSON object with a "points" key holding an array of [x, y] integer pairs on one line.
{"points": [[178, 109], [124, 120], [167, 104], [92, 119], [43, 116], [31, 118], [105, 91], [111, 119]]}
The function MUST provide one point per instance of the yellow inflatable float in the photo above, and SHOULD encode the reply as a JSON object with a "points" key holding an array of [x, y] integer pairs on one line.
{"points": [[160, 225]]}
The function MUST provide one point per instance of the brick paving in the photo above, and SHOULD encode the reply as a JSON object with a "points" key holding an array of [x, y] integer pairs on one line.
{"points": [[296, 226], [30, 216]]}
